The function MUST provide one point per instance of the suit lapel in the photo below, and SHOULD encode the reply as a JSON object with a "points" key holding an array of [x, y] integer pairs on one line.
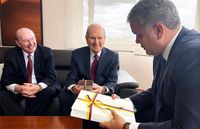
{"points": [[86, 64], [160, 72], [37, 61], [100, 63], [182, 33], [21, 61]]}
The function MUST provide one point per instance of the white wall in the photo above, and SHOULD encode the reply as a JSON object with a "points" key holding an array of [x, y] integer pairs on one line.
{"points": [[62, 23], [197, 21], [140, 67]]}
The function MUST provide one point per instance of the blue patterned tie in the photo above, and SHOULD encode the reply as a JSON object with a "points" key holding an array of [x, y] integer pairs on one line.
{"points": [[159, 79]]}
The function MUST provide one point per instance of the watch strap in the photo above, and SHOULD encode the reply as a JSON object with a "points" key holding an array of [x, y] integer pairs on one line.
{"points": [[126, 125]]}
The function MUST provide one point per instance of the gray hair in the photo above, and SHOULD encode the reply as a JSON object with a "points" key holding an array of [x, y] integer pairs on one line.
{"points": [[147, 12], [94, 25]]}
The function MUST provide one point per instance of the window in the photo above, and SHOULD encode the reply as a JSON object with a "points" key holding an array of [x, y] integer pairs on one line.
{"points": [[187, 12], [112, 14]]}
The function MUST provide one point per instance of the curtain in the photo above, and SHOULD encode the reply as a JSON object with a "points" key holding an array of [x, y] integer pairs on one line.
{"points": [[197, 19]]}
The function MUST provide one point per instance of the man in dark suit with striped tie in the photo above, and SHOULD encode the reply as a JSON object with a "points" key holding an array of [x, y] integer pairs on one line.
{"points": [[28, 73], [173, 100], [92, 62]]}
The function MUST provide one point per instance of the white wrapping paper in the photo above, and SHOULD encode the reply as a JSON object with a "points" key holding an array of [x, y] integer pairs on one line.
{"points": [[96, 107]]}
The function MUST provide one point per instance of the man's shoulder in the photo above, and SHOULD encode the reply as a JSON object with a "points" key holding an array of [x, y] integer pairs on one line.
{"points": [[110, 52], [12, 50], [45, 48], [81, 50]]}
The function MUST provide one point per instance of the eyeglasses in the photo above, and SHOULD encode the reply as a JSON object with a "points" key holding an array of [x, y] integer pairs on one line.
{"points": [[28, 40], [96, 38]]}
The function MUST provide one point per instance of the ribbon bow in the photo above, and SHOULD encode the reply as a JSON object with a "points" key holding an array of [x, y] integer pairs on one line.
{"points": [[93, 102]]}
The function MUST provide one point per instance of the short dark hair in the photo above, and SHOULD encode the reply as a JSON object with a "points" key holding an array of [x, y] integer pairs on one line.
{"points": [[147, 12]]}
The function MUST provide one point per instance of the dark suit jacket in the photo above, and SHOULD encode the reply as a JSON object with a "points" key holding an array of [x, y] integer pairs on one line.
{"points": [[14, 70], [179, 91], [106, 71]]}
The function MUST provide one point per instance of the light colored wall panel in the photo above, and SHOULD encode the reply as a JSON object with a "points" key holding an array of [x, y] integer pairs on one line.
{"points": [[62, 23], [140, 67], [197, 21]]}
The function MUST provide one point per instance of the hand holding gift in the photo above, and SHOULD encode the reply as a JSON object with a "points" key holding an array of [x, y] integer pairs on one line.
{"points": [[117, 122]]}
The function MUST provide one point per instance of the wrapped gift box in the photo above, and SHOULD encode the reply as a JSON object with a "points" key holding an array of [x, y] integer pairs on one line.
{"points": [[96, 107]]}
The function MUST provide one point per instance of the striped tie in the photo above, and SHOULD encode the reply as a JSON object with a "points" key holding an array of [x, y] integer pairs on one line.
{"points": [[29, 68], [94, 67]]}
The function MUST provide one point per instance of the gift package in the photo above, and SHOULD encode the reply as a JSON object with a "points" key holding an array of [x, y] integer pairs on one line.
{"points": [[97, 107], [85, 84]]}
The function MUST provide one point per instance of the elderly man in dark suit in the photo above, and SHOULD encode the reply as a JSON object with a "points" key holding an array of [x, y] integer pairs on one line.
{"points": [[173, 100], [28, 74], [82, 65]]}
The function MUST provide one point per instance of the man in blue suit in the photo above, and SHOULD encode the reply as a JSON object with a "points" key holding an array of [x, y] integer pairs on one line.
{"points": [[81, 63], [173, 100], [37, 85]]}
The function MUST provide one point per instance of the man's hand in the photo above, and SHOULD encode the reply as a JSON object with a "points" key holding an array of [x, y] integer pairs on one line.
{"points": [[114, 96], [98, 89], [117, 122], [28, 90], [76, 89]]}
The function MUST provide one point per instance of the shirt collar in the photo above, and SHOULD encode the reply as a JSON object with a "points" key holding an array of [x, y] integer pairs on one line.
{"points": [[26, 54], [169, 46], [92, 54]]}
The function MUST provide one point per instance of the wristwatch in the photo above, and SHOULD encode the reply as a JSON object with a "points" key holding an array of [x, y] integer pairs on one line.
{"points": [[126, 125], [104, 91]]}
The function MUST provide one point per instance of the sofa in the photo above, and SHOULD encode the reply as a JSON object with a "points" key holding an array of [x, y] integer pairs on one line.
{"points": [[126, 84]]}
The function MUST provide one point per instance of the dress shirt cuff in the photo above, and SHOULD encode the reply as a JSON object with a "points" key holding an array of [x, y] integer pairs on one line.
{"points": [[70, 87], [42, 85], [134, 125], [107, 90], [12, 88]]}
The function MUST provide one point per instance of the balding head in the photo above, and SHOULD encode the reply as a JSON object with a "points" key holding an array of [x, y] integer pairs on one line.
{"points": [[95, 26], [20, 33], [25, 38]]}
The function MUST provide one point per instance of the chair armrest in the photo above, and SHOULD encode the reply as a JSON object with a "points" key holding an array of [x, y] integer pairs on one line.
{"points": [[1, 70], [124, 76], [126, 84], [131, 85]]}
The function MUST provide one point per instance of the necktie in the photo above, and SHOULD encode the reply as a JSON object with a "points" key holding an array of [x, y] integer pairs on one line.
{"points": [[29, 68], [159, 79], [94, 67]]}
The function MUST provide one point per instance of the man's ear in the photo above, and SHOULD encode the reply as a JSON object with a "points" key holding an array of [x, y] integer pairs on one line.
{"points": [[158, 28], [17, 42]]}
